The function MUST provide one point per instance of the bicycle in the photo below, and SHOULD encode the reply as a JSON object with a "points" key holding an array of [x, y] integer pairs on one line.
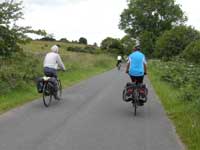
{"points": [[119, 66], [49, 91], [132, 92]]}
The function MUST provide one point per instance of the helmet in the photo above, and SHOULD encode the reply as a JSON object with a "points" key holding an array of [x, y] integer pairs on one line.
{"points": [[55, 49], [137, 47]]}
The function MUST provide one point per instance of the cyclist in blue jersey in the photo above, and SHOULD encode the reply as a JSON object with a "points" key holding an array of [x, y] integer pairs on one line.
{"points": [[137, 65]]}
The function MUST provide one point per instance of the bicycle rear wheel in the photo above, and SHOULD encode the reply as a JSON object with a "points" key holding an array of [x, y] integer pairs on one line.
{"points": [[135, 107], [135, 101], [119, 66], [47, 95]]}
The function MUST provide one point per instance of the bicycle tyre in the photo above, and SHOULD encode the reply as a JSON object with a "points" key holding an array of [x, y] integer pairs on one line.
{"points": [[59, 90], [47, 98], [136, 101], [119, 66], [135, 108]]}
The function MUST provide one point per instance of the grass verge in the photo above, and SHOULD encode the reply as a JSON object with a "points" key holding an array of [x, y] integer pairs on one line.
{"points": [[20, 96], [185, 119]]}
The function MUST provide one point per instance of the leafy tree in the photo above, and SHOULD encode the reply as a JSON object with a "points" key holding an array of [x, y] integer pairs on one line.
{"points": [[128, 44], [147, 40], [192, 52], [173, 42], [83, 40], [150, 18], [49, 37], [112, 45], [11, 34], [154, 16], [64, 40]]}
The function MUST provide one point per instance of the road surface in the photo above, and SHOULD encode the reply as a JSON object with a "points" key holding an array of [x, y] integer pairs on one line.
{"points": [[91, 116]]}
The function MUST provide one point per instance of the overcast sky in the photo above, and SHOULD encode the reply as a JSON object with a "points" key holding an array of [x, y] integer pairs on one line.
{"points": [[92, 19]]}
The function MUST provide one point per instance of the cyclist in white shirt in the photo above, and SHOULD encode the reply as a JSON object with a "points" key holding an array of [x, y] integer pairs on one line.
{"points": [[119, 60], [52, 62]]}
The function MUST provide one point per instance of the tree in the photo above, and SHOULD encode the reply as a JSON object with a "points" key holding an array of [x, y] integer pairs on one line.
{"points": [[112, 45], [63, 40], [145, 18], [128, 44], [173, 42], [147, 42], [95, 44], [12, 35], [83, 40], [49, 37], [192, 52]]}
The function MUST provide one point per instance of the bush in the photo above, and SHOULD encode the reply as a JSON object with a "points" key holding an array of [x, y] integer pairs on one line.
{"points": [[173, 42], [18, 70], [192, 52]]}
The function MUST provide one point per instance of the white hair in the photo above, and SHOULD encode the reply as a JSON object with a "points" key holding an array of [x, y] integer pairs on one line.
{"points": [[54, 49]]}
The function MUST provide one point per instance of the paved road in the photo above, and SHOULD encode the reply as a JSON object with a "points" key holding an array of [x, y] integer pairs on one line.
{"points": [[92, 116]]}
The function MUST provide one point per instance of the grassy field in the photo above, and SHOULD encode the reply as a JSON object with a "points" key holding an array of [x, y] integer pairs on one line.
{"points": [[183, 111], [18, 73], [44, 46]]}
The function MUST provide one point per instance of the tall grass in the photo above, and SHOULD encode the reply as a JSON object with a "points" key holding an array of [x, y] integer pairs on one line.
{"points": [[184, 113]]}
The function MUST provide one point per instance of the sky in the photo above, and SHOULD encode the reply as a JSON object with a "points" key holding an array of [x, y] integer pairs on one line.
{"points": [[93, 19]]}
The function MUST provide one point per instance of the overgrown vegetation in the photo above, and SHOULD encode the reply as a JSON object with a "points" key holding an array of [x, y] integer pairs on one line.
{"points": [[177, 84]]}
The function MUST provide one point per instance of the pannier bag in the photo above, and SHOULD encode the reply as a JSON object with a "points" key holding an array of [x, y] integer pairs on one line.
{"points": [[52, 83], [39, 84]]}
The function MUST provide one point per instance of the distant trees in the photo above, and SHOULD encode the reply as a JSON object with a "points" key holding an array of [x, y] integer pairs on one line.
{"points": [[83, 40], [10, 34], [63, 40], [112, 45], [49, 37]]}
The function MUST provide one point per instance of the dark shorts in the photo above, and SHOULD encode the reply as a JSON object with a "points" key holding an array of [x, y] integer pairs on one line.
{"points": [[50, 72], [118, 62], [137, 79]]}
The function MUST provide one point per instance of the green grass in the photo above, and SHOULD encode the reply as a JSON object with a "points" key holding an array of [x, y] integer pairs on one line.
{"points": [[44, 46], [185, 119], [80, 66]]}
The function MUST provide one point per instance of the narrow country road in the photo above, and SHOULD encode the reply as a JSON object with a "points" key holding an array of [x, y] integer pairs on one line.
{"points": [[91, 116]]}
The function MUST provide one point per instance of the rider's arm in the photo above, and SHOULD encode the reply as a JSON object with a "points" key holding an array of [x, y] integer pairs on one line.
{"points": [[145, 68], [60, 63], [127, 66], [145, 65]]}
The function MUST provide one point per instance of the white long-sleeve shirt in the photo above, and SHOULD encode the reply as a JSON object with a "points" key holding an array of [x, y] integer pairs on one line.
{"points": [[53, 60]]}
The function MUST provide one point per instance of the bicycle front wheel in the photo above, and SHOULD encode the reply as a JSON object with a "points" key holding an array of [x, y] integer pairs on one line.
{"points": [[47, 95]]}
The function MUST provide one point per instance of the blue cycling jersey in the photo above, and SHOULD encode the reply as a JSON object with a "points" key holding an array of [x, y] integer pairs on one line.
{"points": [[137, 60]]}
